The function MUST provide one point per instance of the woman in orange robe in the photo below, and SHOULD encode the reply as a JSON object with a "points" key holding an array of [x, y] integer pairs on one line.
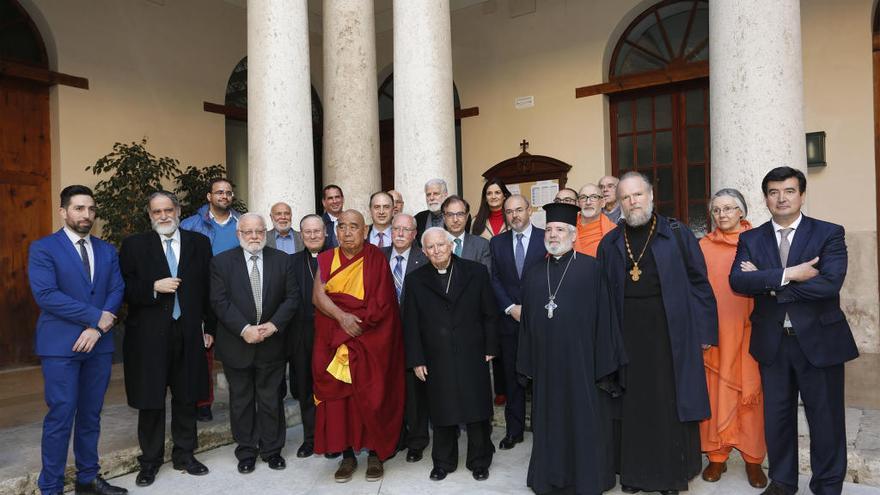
{"points": [[732, 374]]}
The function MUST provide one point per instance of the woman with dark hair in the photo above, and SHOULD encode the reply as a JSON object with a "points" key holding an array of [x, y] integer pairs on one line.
{"points": [[490, 218]]}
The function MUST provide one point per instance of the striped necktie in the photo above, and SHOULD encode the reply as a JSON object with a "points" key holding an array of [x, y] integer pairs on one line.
{"points": [[398, 276]]}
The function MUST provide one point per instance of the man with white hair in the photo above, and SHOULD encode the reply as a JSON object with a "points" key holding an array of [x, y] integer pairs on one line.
{"points": [[667, 314], [436, 193], [608, 186], [569, 343], [255, 295]]}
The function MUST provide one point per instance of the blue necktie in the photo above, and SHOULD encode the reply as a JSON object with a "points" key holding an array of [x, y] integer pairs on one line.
{"points": [[398, 276], [458, 247], [519, 255], [172, 267]]}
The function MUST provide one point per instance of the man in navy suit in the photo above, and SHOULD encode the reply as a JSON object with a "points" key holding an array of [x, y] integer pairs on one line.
{"points": [[333, 201], [513, 252], [794, 267], [76, 282]]}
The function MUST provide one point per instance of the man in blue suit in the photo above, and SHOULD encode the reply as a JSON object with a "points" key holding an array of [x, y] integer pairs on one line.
{"points": [[76, 282], [513, 252], [794, 267], [333, 201]]}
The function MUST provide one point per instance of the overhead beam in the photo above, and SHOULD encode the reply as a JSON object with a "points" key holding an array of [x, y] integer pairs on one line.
{"points": [[697, 70], [18, 70]]}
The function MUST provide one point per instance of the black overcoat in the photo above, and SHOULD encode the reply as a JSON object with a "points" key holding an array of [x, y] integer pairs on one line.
{"points": [[451, 334], [142, 262]]}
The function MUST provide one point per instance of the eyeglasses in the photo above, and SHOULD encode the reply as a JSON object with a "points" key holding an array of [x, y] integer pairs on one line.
{"points": [[223, 193], [250, 233], [518, 211], [568, 201], [727, 210], [402, 229], [591, 197], [455, 214]]}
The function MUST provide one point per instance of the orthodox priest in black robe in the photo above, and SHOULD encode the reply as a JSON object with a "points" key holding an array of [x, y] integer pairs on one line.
{"points": [[570, 346]]}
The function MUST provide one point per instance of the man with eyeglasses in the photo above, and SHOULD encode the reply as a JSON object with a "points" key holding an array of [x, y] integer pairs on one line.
{"points": [[566, 195], [218, 221], [592, 223], [255, 297], [456, 217], [608, 186], [398, 201]]}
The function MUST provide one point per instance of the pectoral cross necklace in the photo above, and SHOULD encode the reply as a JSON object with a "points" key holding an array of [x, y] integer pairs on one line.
{"points": [[551, 302], [635, 273]]}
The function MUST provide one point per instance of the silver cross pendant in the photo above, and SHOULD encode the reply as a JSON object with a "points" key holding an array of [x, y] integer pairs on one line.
{"points": [[550, 306]]}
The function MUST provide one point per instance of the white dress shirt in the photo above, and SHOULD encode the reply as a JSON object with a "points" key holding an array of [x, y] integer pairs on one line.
{"points": [[250, 267], [794, 226], [75, 238], [386, 236], [175, 248], [527, 234], [392, 261]]}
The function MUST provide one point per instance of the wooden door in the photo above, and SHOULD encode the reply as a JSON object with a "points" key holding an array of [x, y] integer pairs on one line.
{"points": [[26, 203]]}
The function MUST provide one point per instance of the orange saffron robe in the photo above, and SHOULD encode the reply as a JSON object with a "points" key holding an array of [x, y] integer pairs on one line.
{"points": [[732, 374], [589, 234], [358, 381]]}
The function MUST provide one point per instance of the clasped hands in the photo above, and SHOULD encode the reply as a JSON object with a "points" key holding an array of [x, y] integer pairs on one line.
{"points": [[90, 335], [422, 371], [254, 334]]}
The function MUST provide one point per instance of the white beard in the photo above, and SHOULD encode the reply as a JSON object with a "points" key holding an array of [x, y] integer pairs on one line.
{"points": [[559, 249], [166, 229], [638, 218], [247, 246]]}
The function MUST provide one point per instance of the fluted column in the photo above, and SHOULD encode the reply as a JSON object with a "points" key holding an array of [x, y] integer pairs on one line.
{"points": [[424, 118], [280, 153], [756, 94], [351, 107]]}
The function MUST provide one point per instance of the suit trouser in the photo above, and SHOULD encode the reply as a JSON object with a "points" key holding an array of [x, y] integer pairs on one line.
{"points": [[301, 383], [256, 409], [515, 409], [415, 413], [74, 389], [151, 422], [444, 452], [499, 384], [209, 357], [822, 392]]}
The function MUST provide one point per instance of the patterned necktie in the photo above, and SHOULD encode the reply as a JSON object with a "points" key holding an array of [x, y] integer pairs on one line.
{"points": [[85, 257], [784, 247], [398, 276], [458, 247], [381, 239], [172, 267], [257, 287], [519, 255]]}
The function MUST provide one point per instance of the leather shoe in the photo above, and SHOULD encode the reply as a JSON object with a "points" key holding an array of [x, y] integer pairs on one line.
{"points": [[414, 455], [777, 489], [713, 471], [98, 487], [246, 466], [346, 470], [668, 492], [629, 489], [375, 471], [204, 414], [276, 462], [438, 474], [481, 474], [305, 450], [332, 455], [508, 443], [146, 476], [192, 467], [756, 475]]}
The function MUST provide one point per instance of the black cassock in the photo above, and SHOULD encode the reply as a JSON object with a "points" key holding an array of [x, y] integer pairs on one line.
{"points": [[572, 359]]}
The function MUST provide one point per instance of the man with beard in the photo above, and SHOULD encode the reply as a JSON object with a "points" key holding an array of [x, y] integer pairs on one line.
{"points": [[592, 224], [381, 207], [302, 332], [357, 359], [282, 237], [333, 201], [450, 321], [661, 294], [255, 296], [77, 285], [608, 186], [570, 346], [166, 275], [436, 193]]}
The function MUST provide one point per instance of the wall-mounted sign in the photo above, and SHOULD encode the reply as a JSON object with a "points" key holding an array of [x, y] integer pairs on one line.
{"points": [[524, 102]]}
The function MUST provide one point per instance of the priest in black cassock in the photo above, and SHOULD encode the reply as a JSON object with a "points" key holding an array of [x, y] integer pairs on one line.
{"points": [[570, 345]]}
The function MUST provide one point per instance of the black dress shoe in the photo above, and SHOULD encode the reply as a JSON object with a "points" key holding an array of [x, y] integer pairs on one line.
{"points": [[481, 474], [777, 489], [192, 466], [98, 487], [629, 489], [332, 455], [508, 443], [668, 492], [438, 474], [415, 455], [276, 462], [146, 476], [204, 414], [246, 466], [305, 450]]}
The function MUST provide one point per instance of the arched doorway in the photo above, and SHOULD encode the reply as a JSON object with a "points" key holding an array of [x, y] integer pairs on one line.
{"points": [[662, 130], [25, 179], [236, 133]]}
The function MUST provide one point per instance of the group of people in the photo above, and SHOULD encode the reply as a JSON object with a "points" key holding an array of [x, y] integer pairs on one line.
{"points": [[642, 346]]}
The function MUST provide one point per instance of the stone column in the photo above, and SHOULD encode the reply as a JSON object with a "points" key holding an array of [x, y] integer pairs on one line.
{"points": [[756, 94], [280, 153], [424, 118], [351, 102]]}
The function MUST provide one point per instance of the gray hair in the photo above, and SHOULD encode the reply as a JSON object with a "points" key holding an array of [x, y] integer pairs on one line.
{"points": [[401, 215], [449, 237], [733, 194], [166, 194], [437, 182], [251, 215], [518, 196], [632, 174], [310, 215]]}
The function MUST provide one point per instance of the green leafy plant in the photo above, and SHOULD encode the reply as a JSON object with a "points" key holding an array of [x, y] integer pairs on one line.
{"points": [[134, 174], [193, 185]]}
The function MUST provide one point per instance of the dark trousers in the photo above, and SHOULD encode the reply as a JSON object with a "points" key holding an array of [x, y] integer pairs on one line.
{"points": [[822, 391], [209, 355], [151, 422], [499, 384], [256, 409], [415, 419], [444, 452], [300, 363], [515, 409]]}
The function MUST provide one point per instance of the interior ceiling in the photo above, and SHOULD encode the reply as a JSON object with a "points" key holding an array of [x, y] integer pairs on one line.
{"points": [[382, 6]]}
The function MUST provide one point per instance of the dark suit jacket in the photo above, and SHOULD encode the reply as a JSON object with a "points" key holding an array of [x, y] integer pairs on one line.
{"points": [[476, 248], [422, 221], [297, 240], [417, 259], [233, 303], [331, 241], [142, 260], [303, 327], [812, 306], [506, 284]]}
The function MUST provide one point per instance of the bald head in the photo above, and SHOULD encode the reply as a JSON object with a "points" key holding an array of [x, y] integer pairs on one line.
{"points": [[350, 232], [591, 202], [608, 186]]}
